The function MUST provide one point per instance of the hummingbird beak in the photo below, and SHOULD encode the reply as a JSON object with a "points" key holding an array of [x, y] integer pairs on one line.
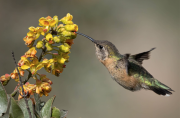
{"points": [[87, 37]]}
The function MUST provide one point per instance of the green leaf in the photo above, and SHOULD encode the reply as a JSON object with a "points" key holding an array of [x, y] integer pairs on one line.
{"points": [[55, 112], [46, 110], [37, 104], [10, 116], [9, 100], [3, 100], [22, 105], [63, 113], [37, 115], [5, 116], [15, 110]]}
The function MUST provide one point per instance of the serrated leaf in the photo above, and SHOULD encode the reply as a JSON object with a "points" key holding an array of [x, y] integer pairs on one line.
{"points": [[46, 110], [15, 110], [37, 104], [5, 116], [63, 113], [55, 112], [22, 105], [3, 100]]}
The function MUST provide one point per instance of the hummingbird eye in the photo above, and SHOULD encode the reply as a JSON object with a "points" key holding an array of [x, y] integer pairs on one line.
{"points": [[100, 46]]}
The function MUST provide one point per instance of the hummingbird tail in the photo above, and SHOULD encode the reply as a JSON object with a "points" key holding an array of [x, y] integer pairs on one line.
{"points": [[161, 89]]}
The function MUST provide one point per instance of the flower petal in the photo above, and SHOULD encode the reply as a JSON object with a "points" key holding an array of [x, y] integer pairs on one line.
{"points": [[24, 67]]}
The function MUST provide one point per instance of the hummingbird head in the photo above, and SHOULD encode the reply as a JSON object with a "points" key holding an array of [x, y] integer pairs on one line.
{"points": [[104, 49]]}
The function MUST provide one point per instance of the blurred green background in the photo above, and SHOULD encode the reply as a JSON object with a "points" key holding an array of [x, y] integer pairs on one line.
{"points": [[85, 88]]}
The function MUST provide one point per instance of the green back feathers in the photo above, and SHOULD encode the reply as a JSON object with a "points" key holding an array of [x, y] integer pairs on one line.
{"points": [[160, 88]]}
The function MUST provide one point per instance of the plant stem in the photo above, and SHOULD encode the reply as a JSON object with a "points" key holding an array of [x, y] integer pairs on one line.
{"points": [[15, 91], [48, 53], [42, 53], [17, 87], [21, 84], [29, 76]]}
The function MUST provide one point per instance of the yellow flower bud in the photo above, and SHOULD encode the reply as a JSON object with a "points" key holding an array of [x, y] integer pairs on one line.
{"points": [[56, 39], [65, 44], [37, 90], [45, 61], [31, 28], [43, 22], [31, 52], [52, 23], [49, 47], [61, 60], [38, 29], [61, 30], [39, 44], [64, 48], [47, 88], [66, 33], [47, 28], [67, 19], [30, 34], [56, 18], [37, 36], [69, 22], [49, 37], [69, 35], [5, 79], [33, 69], [72, 27], [60, 26], [69, 16], [43, 33]]}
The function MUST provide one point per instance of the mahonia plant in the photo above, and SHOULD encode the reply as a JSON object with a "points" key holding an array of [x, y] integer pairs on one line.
{"points": [[58, 36]]}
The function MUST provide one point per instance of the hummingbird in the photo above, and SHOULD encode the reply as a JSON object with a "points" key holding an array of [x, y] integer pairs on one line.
{"points": [[127, 70]]}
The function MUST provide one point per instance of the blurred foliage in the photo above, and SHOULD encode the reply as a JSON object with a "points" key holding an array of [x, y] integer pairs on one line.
{"points": [[18, 108]]}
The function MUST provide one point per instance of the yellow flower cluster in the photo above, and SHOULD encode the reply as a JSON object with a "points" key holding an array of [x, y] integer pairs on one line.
{"points": [[29, 89], [53, 33], [42, 87], [57, 35]]}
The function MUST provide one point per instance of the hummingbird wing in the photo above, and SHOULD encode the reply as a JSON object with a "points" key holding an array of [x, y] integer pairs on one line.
{"points": [[142, 56], [147, 81], [124, 63]]}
